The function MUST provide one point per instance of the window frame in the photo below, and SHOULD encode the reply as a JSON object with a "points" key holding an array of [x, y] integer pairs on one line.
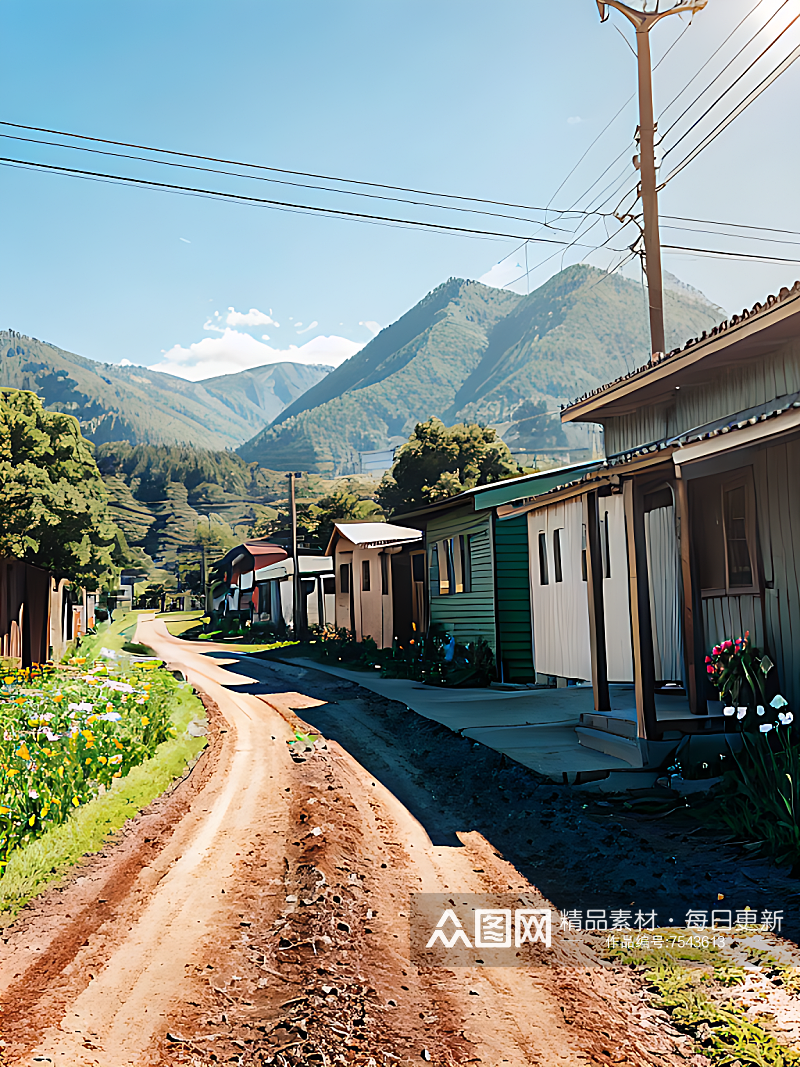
{"points": [[366, 576], [344, 578], [743, 480], [558, 563], [544, 568]]}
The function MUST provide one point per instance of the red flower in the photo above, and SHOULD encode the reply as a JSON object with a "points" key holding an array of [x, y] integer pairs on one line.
{"points": [[710, 669], [708, 659]]}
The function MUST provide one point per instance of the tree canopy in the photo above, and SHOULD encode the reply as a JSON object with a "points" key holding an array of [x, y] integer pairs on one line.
{"points": [[53, 505], [315, 520], [439, 462]]}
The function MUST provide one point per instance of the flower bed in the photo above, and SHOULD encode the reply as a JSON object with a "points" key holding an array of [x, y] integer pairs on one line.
{"points": [[68, 733]]}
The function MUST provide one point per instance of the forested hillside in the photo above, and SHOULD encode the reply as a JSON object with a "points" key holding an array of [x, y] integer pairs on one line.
{"points": [[468, 352], [136, 404]]}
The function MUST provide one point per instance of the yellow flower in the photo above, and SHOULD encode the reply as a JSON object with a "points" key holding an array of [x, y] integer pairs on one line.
{"points": [[60, 772], [119, 744], [101, 759], [58, 697], [20, 700], [117, 775], [4, 810], [109, 707], [32, 820], [145, 720], [12, 771], [75, 802], [23, 752]]}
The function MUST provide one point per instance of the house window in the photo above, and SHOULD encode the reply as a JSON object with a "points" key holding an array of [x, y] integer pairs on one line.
{"points": [[329, 585], [465, 544], [605, 551], [365, 582], [418, 567], [740, 570], [557, 571], [544, 576], [722, 509], [384, 574], [344, 577]]}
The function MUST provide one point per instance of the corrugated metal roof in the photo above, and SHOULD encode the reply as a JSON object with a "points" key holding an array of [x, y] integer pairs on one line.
{"points": [[376, 534]]}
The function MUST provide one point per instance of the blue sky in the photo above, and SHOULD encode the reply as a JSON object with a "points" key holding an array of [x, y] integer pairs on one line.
{"points": [[495, 101]]}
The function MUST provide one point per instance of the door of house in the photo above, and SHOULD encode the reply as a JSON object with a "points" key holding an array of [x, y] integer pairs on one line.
{"points": [[663, 574]]}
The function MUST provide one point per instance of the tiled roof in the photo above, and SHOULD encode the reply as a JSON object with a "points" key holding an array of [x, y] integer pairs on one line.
{"points": [[658, 358]]}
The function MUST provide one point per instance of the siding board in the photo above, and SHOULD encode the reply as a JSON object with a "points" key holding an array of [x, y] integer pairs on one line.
{"points": [[515, 637]]}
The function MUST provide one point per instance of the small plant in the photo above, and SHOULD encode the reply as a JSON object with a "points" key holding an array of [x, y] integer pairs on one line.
{"points": [[738, 671]]}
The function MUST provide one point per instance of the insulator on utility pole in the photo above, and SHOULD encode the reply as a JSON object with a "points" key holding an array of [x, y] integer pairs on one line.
{"points": [[644, 161]]}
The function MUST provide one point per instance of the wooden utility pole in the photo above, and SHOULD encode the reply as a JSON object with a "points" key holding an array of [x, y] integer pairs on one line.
{"points": [[643, 22], [296, 587]]}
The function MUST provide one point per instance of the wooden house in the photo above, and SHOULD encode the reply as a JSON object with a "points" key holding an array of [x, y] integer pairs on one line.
{"points": [[274, 592], [696, 515], [478, 562], [380, 581]]}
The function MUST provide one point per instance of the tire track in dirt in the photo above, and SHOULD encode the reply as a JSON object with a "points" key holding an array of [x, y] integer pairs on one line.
{"points": [[271, 927]]}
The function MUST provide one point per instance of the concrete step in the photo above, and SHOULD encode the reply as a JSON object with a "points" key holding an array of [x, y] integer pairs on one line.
{"points": [[612, 744], [609, 723]]}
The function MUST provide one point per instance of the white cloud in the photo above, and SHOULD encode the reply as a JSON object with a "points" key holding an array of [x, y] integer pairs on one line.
{"points": [[310, 326], [125, 363], [185, 240], [253, 317], [573, 120], [373, 327], [235, 351], [502, 274]]}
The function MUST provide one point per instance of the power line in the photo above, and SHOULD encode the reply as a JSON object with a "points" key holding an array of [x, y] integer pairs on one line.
{"points": [[741, 225], [716, 51], [261, 201], [721, 254], [729, 118], [278, 170], [262, 178], [725, 92]]}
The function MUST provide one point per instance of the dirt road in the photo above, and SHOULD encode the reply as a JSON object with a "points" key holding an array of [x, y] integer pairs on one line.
{"points": [[259, 914]]}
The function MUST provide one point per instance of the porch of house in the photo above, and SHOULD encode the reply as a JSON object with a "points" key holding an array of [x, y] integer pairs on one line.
{"points": [[554, 732]]}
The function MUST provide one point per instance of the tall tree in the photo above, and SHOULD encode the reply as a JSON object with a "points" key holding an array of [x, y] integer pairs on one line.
{"points": [[439, 461], [53, 505]]}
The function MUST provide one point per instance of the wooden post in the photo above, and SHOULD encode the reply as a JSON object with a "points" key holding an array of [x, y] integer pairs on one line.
{"points": [[641, 623], [685, 542], [597, 623]]}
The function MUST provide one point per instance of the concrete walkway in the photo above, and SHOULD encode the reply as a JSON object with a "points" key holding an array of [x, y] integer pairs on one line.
{"points": [[535, 727]]}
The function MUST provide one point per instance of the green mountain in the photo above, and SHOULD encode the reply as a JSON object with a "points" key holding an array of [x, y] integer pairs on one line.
{"points": [[469, 352], [142, 406]]}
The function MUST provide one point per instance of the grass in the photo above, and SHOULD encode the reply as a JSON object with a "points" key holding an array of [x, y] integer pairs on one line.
{"points": [[45, 860], [698, 989]]}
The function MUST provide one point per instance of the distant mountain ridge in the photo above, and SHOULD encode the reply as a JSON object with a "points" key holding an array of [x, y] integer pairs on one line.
{"points": [[469, 352], [142, 406]]}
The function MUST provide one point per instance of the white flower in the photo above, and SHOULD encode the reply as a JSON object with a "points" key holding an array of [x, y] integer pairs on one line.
{"points": [[760, 709], [110, 716], [765, 727], [778, 702], [786, 718], [108, 653], [83, 706], [118, 687], [741, 712], [729, 711]]}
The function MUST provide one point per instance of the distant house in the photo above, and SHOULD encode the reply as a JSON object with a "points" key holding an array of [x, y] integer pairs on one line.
{"points": [[478, 563], [380, 580], [273, 599], [687, 535], [237, 591]]}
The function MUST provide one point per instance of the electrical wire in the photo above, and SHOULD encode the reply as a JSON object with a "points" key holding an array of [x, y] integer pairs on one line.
{"points": [[729, 118], [262, 178], [725, 92], [263, 202], [721, 254], [278, 170], [716, 51], [700, 95]]}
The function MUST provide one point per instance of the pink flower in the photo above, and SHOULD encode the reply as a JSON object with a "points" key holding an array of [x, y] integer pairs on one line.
{"points": [[727, 644], [708, 659], [710, 669], [715, 651]]}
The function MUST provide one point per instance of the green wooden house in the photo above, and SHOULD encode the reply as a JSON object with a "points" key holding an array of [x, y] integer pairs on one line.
{"points": [[478, 566]]}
